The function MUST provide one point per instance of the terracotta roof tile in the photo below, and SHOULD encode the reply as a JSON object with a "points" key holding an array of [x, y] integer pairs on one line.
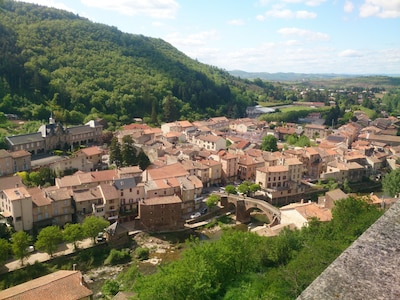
{"points": [[60, 285]]}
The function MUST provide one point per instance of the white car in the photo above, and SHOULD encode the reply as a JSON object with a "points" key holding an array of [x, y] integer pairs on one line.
{"points": [[195, 215]]}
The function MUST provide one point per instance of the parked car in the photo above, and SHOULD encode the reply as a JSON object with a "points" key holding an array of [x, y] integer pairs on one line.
{"points": [[204, 211], [100, 237], [30, 249], [195, 215]]}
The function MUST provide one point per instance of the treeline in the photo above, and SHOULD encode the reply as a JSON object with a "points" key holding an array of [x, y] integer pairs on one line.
{"points": [[53, 60]]}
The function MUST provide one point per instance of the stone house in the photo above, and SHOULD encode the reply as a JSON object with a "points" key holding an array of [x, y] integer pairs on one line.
{"points": [[209, 142], [214, 172], [14, 161], [160, 214], [130, 193], [331, 197], [51, 207], [16, 206], [54, 136]]}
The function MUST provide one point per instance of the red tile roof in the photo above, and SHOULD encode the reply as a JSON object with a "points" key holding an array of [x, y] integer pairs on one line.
{"points": [[60, 285], [173, 170]]}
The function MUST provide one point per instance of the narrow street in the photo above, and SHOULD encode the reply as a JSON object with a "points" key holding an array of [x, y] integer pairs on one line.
{"points": [[37, 256]]}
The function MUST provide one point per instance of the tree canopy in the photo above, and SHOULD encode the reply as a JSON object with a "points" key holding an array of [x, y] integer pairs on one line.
{"points": [[4, 250], [92, 225], [56, 61], [73, 233], [48, 239], [269, 143], [20, 243], [391, 183]]}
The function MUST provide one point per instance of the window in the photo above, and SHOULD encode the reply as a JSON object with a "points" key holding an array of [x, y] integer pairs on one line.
{"points": [[18, 219]]}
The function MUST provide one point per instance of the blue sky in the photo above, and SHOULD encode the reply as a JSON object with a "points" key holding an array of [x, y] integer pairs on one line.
{"points": [[302, 36]]}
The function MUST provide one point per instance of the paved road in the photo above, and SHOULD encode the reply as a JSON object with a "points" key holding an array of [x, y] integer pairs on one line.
{"points": [[63, 249]]}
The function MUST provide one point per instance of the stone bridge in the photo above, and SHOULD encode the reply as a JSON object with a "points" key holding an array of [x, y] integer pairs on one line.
{"points": [[243, 207]]}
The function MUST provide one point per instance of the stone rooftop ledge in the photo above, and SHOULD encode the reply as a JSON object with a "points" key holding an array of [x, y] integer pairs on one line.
{"points": [[368, 269]]}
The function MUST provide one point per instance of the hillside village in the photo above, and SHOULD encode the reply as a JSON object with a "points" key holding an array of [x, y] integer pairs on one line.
{"points": [[188, 159]]}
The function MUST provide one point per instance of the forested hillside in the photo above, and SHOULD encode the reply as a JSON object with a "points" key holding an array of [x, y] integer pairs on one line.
{"points": [[53, 60]]}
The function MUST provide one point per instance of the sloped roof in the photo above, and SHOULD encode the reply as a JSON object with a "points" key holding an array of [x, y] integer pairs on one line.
{"points": [[173, 170], [39, 197], [92, 151], [161, 200], [116, 228], [60, 285], [10, 182], [336, 194], [25, 138], [125, 183]]}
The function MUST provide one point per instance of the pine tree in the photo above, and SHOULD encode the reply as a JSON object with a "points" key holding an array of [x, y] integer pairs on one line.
{"points": [[143, 161], [128, 152], [115, 152]]}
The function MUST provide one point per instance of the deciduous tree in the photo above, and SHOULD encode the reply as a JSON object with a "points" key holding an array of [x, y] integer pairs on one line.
{"points": [[93, 225], [48, 239], [391, 183], [230, 189], [4, 250], [73, 233], [20, 243], [269, 143], [212, 201]]}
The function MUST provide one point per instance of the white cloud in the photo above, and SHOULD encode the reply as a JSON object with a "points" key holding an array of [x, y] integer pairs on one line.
{"points": [[303, 14], [289, 14], [292, 42], [306, 2], [237, 22], [195, 39], [159, 9], [380, 8], [307, 34], [348, 6], [260, 17], [350, 53], [50, 3]]}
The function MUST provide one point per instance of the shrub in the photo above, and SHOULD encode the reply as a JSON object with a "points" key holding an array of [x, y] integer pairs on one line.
{"points": [[110, 287], [117, 257], [142, 253]]}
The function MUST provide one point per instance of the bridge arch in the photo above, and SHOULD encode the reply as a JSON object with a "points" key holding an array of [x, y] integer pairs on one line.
{"points": [[244, 205]]}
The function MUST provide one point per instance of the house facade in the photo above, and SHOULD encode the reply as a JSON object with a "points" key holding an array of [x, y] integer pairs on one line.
{"points": [[16, 205], [53, 136]]}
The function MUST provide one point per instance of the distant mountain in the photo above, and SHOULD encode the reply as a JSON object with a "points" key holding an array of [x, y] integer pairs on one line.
{"points": [[287, 76]]}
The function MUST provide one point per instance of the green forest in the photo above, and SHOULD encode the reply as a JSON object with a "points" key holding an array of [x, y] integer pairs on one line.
{"points": [[53, 60]]}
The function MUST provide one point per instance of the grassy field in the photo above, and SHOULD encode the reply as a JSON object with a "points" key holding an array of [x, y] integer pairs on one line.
{"points": [[271, 103], [300, 108]]}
